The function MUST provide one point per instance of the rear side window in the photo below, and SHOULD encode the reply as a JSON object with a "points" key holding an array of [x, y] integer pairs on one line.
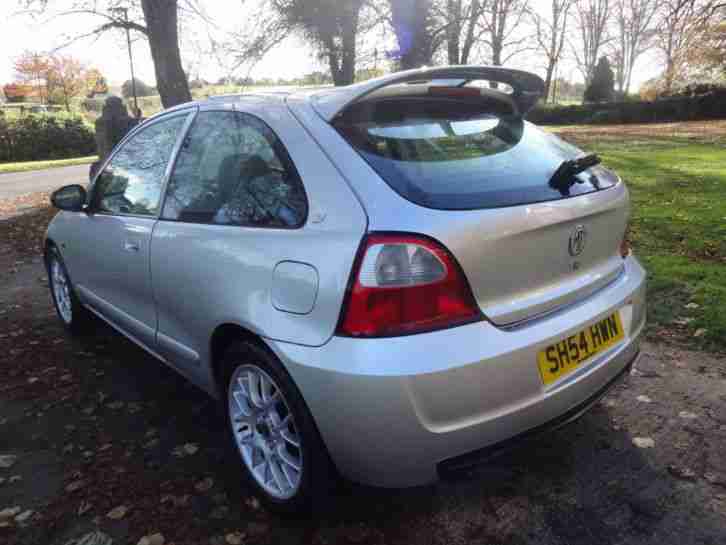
{"points": [[233, 170], [448, 154]]}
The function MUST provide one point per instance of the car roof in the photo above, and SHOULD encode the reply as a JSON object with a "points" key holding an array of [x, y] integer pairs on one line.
{"points": [[331, 101]]}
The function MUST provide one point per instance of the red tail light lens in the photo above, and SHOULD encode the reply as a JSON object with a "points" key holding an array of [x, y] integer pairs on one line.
{"points": [[404, 284]]}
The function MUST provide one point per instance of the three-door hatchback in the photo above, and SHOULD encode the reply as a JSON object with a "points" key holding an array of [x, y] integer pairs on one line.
{"points": [[387, 281]]}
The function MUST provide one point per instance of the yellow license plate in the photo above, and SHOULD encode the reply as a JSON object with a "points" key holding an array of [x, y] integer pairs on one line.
{"points": [[562, 358]]}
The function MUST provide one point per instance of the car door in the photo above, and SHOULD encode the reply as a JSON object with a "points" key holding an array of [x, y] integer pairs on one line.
{"points": [[112, 252], [257, 229]]}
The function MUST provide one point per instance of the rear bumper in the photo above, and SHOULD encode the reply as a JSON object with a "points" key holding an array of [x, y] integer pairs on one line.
{"points": [[392, 412], [458, 463]]}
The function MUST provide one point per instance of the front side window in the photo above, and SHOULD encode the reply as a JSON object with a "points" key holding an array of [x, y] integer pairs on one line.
{"points": [[233, 170], [131, 183]]}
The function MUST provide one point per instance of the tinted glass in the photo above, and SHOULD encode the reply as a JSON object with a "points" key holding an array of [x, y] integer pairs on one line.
{"points": [[450, 155], [233, 170], [131, 183]]}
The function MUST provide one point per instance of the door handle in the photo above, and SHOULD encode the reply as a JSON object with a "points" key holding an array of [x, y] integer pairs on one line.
{"points": [[131, 246]]}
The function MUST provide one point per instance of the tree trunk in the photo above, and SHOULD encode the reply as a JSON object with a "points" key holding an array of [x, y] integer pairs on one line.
{"points": [[163, 34], [548, 80], [348, 54], [453, 31], [410, 22]]}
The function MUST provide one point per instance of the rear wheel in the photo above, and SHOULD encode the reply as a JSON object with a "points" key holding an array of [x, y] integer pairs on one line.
{"points": [[282, 454], [74, 316]]}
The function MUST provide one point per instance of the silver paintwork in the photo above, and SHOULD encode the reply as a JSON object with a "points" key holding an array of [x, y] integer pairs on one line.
{"points": [[265, 431], [389, 409]]}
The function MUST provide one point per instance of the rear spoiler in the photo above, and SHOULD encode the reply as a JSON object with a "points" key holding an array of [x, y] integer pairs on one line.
{"points": [[527, 87]]}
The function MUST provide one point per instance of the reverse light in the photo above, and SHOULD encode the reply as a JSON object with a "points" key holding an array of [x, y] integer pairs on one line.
{"points": [[403, 284]]}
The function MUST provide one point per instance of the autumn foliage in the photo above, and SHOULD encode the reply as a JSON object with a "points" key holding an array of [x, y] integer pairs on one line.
{"points": [[54, 79]]}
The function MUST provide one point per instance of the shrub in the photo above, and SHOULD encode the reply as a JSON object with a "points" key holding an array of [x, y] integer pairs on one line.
{"points": [[44, 137], [711, 105], [142, 89], [603, 81]]}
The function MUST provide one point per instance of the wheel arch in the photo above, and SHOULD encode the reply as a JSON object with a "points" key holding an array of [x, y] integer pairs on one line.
{"points": [[222, 338]]}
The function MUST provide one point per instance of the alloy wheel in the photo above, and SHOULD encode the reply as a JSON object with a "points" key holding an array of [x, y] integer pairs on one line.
{"points": [[61, 291], [265, 431]]}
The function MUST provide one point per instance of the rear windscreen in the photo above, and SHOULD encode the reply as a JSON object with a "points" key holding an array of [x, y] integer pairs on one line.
{"points": [[450, 154]]}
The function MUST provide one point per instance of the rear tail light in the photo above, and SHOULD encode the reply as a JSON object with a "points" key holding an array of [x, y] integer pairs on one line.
{"points": [[404, 284]]}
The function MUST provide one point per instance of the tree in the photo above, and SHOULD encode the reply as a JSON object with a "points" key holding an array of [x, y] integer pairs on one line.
{"points": [[412, 22], [95, 83], [66, 79], [462, 27], [680, 26], [332, 26], [592, 18], [32, 69], [503, 21], [156, 20], [550, 32], [601, 85], [18, 92], [633, 36], [707, 58], [142, 89]]}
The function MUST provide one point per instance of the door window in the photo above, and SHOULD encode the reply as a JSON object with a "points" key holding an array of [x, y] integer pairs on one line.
{"points": [[233, 170], [131, 182]]}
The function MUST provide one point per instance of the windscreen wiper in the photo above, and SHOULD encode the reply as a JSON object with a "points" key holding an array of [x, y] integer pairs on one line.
{"points": [[564, 177]]}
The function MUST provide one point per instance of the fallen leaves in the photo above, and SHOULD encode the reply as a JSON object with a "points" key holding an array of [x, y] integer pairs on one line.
{"points": [[234, 538], [24, 517], [84, 508], [684, 473], [204, 485], [76, 485], [9, 512], [7, 460], [188, 449], [92, 538], [117, 513], [153, 539], [643, 442], [175, 501], [25, 220]]}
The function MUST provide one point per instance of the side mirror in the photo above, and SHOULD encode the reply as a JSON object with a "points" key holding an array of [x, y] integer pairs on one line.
{"points": [[69, 197]]}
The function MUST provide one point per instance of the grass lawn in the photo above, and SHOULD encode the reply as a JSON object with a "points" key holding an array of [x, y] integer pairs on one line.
{"points": [[677, 180], [41, 165]]}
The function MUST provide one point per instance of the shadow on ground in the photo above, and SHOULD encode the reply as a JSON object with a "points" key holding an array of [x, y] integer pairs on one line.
{"points": [[97, 424]]}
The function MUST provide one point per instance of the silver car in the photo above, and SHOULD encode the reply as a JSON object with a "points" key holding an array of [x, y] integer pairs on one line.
{"points": [[388, 281]]}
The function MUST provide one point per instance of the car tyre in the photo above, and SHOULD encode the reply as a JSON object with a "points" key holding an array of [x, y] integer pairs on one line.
{"points": [[76, 318], [259, 396]]}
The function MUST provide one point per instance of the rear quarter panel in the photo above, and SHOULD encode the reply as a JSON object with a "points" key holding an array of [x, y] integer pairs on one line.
{"points": [[208, 275]]}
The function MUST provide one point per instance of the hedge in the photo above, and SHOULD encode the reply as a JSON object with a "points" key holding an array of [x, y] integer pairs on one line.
{"points": [[44, 137], [680, 108]]}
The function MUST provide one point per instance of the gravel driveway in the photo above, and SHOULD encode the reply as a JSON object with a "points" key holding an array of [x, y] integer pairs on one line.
{"points": [[96, 436]]}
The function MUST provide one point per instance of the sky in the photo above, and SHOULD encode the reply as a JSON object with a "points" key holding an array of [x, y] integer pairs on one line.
{"points": [[292, 58]]}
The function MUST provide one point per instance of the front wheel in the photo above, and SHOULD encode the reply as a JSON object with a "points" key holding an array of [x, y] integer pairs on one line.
{"points": [[283, 456], [74, 316]]}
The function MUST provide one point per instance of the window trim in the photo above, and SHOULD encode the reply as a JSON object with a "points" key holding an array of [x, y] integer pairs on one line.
{"points": [[286, 159], [92, 190]]}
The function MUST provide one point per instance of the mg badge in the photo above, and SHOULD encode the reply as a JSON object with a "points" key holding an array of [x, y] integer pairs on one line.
{"points": [[578, 238]]}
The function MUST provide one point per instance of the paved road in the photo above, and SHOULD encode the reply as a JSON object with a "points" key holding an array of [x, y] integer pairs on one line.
{"points": [[20, 183]]}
